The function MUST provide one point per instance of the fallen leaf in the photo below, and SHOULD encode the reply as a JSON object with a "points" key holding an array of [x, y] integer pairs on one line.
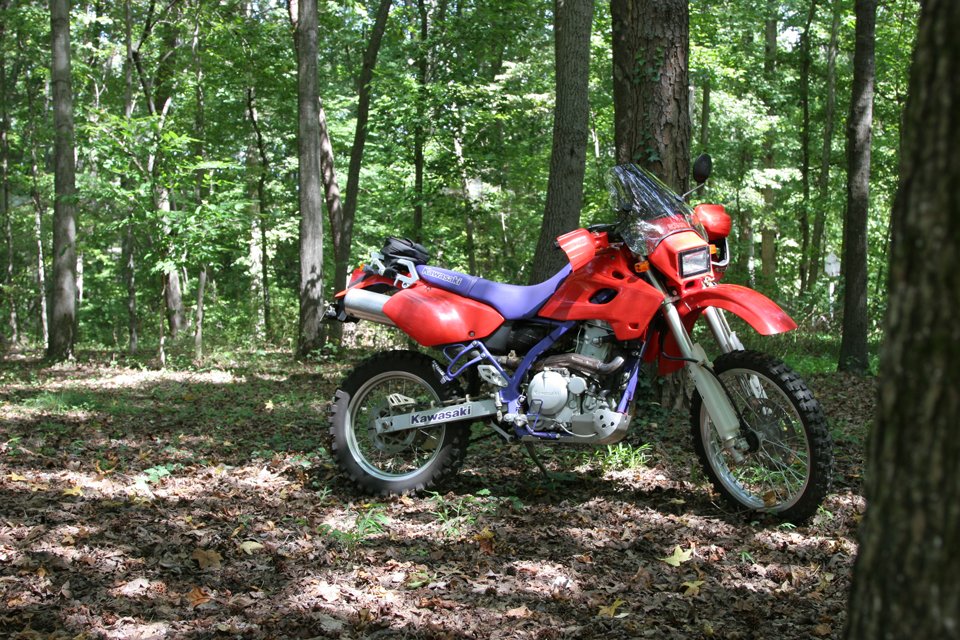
{"points": [[16, 477], [250, 546], [678, 557], [822, 630], [197, 597], [75, 490], [268, 405], [693, 588], [610, 611], [485, 540], [519, 612], [207, 559]]}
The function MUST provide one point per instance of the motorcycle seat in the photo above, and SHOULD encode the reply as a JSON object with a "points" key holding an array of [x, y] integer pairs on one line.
{"points": [[513, 302]]}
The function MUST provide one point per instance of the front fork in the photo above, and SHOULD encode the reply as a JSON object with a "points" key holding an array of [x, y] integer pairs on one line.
{"points": [[715, 398]]}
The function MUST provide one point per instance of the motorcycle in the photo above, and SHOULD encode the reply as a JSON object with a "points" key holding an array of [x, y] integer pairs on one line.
{"points": [[560, 361]]}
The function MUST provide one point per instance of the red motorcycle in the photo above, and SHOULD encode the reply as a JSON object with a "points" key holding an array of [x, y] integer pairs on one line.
{"points": [[559, 362]]}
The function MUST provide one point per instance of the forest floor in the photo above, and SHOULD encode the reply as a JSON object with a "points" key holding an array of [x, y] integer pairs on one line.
{"points": [[201, 503]]}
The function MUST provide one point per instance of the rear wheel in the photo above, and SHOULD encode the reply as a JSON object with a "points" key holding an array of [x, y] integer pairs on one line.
{"points": [[788, 460], [393, 383]]}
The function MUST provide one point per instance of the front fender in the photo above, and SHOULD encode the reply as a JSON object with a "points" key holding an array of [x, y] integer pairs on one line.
{"points": [[756, 309]]}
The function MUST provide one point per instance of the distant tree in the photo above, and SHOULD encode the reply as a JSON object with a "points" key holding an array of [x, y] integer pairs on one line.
{"points": [[310, 336], [906, 580], [853, 345], [571, 119], [64, 307]]}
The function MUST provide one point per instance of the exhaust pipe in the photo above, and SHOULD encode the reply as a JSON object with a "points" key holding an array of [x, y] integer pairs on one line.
{"points": [[367, 305]]}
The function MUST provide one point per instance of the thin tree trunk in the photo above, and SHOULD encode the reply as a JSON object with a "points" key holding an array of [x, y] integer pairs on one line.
{"points": [[705, 117], [13, 320], [823, 179], [262, 171], [198, 329], [571, 122], [853, 344], [310, 335], [768, 231], [129, 240], [420, 127], [63, 313], [905, 578], [804, 213]]}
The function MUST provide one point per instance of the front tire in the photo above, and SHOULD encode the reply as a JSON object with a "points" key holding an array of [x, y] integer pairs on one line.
{"points": [[401, 462], [788, 463]]}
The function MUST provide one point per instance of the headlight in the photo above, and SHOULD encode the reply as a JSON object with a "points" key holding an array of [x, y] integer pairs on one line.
{"points": [[695, 262]]}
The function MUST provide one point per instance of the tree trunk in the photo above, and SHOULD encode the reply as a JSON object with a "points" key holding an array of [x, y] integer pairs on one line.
{"points": [[571, 121], [261, 203], [342, 229], [129, 246], [853, 344], [768, 229], [804, 213], [650, 79], [905, 578], [823, 179], [310, 335], [13, 320], [705, 117], [198, 325], [63, 312], [420, 127]]}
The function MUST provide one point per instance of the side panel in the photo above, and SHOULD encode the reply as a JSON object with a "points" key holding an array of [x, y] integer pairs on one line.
{"points": [[433, 316], [606, 289]]}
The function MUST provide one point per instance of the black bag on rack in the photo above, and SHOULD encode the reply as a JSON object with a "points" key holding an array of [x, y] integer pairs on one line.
{"points": [[395, 249]]}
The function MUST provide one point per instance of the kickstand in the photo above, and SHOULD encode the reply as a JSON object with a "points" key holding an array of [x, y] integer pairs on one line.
{"points": [[536, 459]]}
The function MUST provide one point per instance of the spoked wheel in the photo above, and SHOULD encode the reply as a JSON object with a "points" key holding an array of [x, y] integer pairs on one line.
{"points": [[394, 383], [788, 460]]}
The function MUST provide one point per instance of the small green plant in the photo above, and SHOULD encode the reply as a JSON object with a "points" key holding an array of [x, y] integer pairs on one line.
{"points": [[746, 557], [624, 456], [154, 475], [457, 514], [372, 521]]}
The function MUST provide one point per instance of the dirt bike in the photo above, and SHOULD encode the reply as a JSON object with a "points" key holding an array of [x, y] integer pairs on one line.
{"points": [[560, 361]]}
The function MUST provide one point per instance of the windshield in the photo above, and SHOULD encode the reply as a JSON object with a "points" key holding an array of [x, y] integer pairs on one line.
{"points": [[649, 210]]}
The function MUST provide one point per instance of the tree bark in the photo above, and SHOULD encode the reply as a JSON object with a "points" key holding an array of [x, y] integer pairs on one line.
{"points": [[768, 229], [905, 578], [63, 311], [263, 167], [12, 319], [198, 326], [705, 117], [571, 121], [129, 246], [853, 344], [310, 335], [804, 213], [650, 80], [823, 179], [342, 228]]}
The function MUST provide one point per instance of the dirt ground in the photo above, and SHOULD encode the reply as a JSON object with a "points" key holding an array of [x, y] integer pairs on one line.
{"points": [[201, 503]]}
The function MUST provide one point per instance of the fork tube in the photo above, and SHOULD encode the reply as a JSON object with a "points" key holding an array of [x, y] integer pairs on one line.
{"points": [[726, 338]]}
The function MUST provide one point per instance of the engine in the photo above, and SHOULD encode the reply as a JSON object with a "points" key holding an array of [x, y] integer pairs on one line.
{"points": [[566, 393]]}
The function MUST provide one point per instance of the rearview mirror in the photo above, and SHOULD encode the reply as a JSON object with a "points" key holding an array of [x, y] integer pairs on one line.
{"points": [[702, 167]]}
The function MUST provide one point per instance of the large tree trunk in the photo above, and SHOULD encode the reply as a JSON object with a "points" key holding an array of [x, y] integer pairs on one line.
{"points": [[571, 121], [342, 229], [651, 100], [823, 179], [853, 344], [32, 89], [310, 335], [63, 312], [905, 581]]}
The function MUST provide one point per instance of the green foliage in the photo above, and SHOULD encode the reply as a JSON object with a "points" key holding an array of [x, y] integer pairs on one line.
{"points": [[486, 114]]}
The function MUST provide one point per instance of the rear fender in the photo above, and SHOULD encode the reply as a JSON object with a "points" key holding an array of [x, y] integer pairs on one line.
{"points": [[362, 279], [760, 312]]}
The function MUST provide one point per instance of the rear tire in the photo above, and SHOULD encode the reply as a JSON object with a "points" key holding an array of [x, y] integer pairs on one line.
{"points": [[401, 462], [788, 468]]}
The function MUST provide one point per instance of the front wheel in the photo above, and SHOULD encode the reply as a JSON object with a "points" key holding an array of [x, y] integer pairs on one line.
{"points": [[393, 383], [787, 452]]}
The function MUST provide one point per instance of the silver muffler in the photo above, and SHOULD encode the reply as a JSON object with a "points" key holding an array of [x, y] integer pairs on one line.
{"points": [[367, 305]]}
